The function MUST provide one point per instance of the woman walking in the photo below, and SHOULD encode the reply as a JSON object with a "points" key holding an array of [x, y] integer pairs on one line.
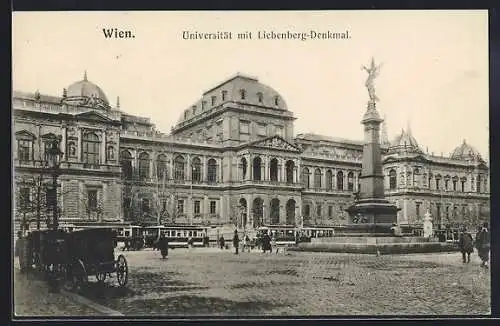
{"points": [[483, 245]]}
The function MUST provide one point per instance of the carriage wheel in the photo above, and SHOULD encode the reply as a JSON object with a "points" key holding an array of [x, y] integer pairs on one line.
{"points": [[101, 277], [79, 277], [122, 270]]}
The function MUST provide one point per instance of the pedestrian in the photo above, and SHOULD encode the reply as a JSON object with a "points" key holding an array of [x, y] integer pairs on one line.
{"points": [[163, 246], [483, 245], [266, 243], [221, 242], [236, 241], [273, 243], [466, 245], [247, 243]]}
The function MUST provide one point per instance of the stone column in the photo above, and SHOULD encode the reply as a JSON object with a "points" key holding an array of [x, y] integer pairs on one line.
{"points": [[103, 159], [265, 167], [282, 217], [282, 178], [64, 145], [80, 145], [249, 215], [204, 169], [250, 167], [189, 168]]}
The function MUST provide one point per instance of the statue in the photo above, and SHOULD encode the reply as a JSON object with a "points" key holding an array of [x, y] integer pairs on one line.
{"points": [[373, 73]]}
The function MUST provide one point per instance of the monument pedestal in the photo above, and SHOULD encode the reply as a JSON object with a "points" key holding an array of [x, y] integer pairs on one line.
{"points": [[372, 216]]}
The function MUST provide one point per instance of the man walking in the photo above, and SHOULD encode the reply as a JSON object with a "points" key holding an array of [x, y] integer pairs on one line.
{"points": [[466, 245], [236, 241]]}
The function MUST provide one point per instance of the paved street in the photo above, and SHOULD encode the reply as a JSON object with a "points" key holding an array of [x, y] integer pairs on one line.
{"points": [[209, 282], [32, 299]]}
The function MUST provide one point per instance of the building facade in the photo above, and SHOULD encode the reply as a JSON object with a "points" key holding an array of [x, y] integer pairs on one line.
{"points": [[231, 159]]}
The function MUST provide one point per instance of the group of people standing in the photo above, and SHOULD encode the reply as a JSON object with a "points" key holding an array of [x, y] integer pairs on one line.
{"points": [[264, 242], [481, 243]]}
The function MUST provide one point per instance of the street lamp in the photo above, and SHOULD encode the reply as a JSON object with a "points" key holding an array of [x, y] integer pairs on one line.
{"points": [[54, 156]]}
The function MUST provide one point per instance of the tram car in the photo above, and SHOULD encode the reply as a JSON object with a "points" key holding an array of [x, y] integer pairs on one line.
{"points": [[284, 235], [131, 236], [177, 236]]}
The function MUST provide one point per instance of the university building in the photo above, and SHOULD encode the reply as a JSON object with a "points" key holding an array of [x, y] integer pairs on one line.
{"points": [[232, 159]]}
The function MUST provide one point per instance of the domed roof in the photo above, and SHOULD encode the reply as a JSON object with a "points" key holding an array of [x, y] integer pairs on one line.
{"points": [[84, 92], [239, 88], [465, 152], [405, 142]]}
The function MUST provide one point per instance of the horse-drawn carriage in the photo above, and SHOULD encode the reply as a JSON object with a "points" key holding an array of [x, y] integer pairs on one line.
{"points": [[71, 257]]}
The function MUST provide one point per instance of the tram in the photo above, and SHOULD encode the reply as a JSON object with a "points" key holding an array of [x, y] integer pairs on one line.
{"points": [[178, 236]]}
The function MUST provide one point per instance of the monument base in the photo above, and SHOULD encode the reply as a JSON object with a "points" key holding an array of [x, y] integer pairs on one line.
{"points": [[372, 216]]}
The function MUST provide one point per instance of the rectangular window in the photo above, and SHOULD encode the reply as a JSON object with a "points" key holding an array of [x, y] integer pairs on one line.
{"points": [[330, 211], [163, 205], [417, 209], [318, 210], [213, 207], [279, 131], [261, 129], [24, 150], [244, 127], [196, 207], [224, 95], [24, 197], [213, 100], [145, 205], [307, 210], [92, 199], [203, 105], [180, 206]]}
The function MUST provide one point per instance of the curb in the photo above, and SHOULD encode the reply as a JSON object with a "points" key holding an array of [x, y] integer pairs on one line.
{"points": [[91, 304]]}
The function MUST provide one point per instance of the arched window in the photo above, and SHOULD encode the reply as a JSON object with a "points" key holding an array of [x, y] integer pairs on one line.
{"points": [[196, 170], [211, 170], [273, 169], [276, 100], [243, 94], [224, 95], [126, 163], [317, 178], [305, 177], [275, 211], [392, 179], [243, 169], [438, 182], [111, 153], [290, 212], [179, 168], [350, 181], [143, 166], [455, 183], [340, 180], [478, 184], [257, 168], [161, 167], [258, 212], [463, 181], [260, 97], [91, 145], [329, 183], [290, 167]]}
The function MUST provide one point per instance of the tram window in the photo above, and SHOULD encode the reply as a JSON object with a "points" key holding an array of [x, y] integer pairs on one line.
{"points": [[127, 233]]}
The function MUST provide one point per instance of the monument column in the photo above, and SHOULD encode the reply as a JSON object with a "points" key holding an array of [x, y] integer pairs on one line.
{"points": [[370, 208]]}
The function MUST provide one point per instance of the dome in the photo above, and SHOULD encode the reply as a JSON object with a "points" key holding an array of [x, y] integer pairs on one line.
{"points": [[405, 142], [84, 92], [239, 88], [465, 152]]}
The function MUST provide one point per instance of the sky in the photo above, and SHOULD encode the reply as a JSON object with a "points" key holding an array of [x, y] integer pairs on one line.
{"points": [[433, 78]]}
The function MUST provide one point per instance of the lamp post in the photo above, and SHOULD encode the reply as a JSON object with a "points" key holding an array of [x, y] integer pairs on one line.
{"points": [[54, 156]]}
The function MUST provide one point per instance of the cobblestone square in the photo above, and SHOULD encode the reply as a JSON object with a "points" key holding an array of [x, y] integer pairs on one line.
{"points": [[212, 282]]}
